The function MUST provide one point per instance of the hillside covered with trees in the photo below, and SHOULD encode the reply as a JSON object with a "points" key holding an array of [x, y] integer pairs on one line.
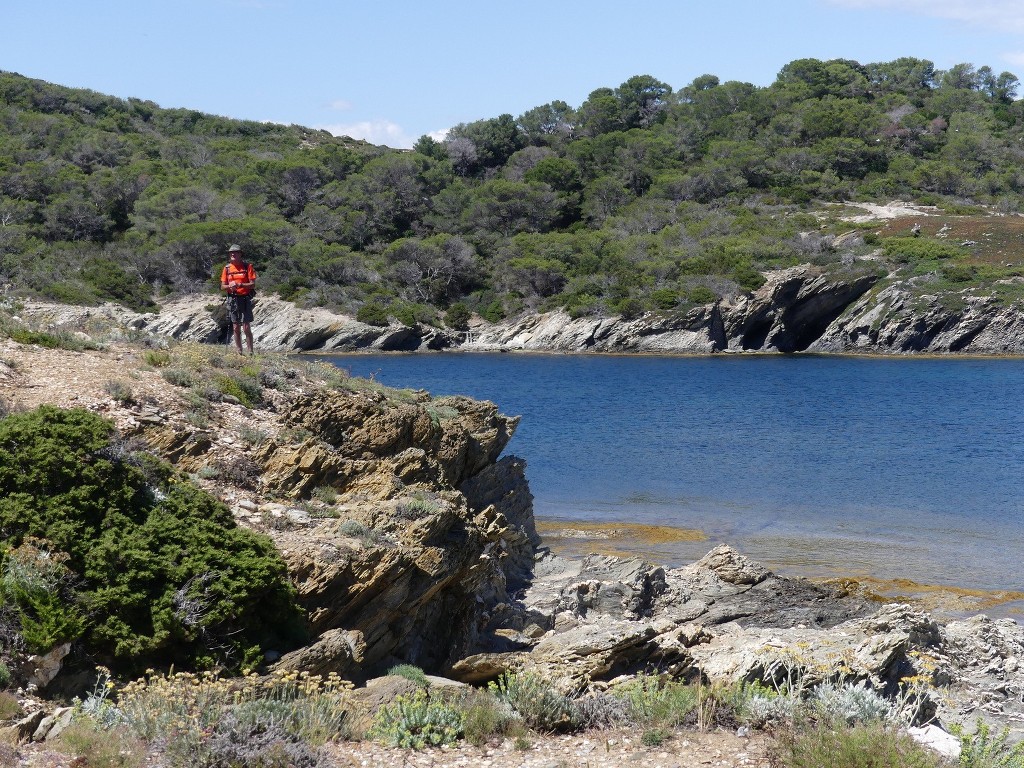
{"points": [[641, 198]]}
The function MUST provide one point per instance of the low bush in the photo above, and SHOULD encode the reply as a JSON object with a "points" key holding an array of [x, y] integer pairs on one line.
{"points": [[486, 717], [655, 702], [540, 705], [417, 721], [875, 745], [161, 573], [985, 748], [9, 706], [411, 673], [374, 314], [101, 748]]}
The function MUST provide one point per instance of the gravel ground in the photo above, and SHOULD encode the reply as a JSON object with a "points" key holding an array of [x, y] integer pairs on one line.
{"points": [[595, 749]]}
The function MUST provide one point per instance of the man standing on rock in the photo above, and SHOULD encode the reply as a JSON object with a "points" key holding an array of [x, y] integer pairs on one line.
{"points": [[238, 281]]}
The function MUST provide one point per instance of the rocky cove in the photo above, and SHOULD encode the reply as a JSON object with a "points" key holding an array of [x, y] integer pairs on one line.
{"points": [[426, 552]]}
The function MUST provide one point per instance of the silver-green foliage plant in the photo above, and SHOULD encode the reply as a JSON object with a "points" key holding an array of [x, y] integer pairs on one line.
{"points": [[540, 705], [850, 703], [986, 748], [417, 721]]}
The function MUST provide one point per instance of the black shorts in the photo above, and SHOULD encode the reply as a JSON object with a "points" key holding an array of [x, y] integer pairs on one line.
{"points": [[240, 309]]}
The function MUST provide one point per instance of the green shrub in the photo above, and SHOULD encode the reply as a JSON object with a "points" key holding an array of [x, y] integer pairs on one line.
{"points": [[417, 721], [987, 749], [665, 298], [9, 706], [657, 702], [493, 312], [325, 493], [654, 737], [541, 706], [410, 314], [911, 250], [158, 358], [101, 747], [457, 317], [162, 573], [817, 744], [411, 673], [373, 313], [959, 273], [485, 717], [38, 585], [701, 294], [56, 340], [245, 389]]}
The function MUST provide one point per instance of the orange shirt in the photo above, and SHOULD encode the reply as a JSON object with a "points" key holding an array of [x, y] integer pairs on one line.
{"points": [[234, 276]]}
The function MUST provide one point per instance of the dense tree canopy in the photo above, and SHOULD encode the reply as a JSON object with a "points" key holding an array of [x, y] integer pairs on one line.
{"points": [[635, 198]]}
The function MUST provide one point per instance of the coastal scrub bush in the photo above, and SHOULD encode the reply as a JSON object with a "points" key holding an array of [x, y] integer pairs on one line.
{"points": [[411, 673], [458, 316], [655, 702], [209, 722], [373, 313], [486, 717], [417, 721], [913, 250], [850, 703], [537, 701], [161, 572], [120, 392], [416, 507], [986, 748], [101, 748], [39, 588], [9, 706], [157, 358], [874, 745]]}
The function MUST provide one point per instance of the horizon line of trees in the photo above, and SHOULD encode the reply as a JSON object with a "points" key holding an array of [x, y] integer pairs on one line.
{"points": [[641, 198]]}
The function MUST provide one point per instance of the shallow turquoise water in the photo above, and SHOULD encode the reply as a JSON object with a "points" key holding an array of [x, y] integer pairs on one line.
{"points": [[891, 468]]}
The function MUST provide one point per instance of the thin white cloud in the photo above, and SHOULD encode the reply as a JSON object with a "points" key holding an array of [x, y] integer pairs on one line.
{"points": [[340, 105], [1003, 15], [1015, 58], [439, 135], [374, 131]]}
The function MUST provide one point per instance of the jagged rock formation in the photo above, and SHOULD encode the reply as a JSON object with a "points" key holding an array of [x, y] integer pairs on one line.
{"points": [[798, 309], [726, 619], [898, 319]]}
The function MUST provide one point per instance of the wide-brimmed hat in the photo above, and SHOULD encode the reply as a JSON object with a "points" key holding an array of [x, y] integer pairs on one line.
{"points": [[234, 247]]}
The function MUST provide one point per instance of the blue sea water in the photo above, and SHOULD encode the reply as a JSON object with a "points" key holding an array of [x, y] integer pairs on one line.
{"points": [[870, 467]]}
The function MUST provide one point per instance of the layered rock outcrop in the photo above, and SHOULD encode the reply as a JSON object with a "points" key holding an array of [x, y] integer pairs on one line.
{"points": [[799, 309]]}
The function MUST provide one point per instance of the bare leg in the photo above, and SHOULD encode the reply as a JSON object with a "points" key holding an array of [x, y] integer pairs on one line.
{"points": [[238, 337], [248, 338]]}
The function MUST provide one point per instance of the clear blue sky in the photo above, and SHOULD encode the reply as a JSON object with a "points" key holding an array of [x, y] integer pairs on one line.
{"points": [[390, 71]]}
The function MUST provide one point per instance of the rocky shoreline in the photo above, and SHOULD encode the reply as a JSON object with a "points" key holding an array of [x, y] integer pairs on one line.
{"points": [[801, 309], [427, 552]]}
